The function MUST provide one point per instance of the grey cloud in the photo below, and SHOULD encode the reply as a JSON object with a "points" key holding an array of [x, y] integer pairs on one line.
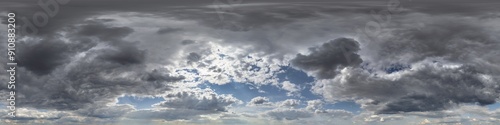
{"points": [[337, 113], [194, 57], [205, 101], [259, 100], [314, 105], [186, 105], [104, 33], [165, 114], [74, 72], [326, 59], [468, 43], [87, 84], [438, 38], [290, 103], [429, 88], [187, 42], [43, 57], [159, 76], [289, 114], [70, 85], [27, 116], [168, 30], [105, 111], [125, 55]]}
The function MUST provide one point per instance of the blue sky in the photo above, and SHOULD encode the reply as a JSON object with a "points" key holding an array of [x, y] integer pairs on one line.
{"points": [[248, 91]]}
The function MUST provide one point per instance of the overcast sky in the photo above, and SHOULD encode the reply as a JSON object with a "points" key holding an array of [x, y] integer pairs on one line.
{"points": [[141, 62]]}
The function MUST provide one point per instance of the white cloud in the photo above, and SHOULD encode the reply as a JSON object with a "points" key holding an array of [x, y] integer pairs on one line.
{"points": [[289, 103], [293, 90]]}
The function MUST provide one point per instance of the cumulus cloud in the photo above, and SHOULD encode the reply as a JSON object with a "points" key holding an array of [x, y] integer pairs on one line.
{"points": [[289, 103], [325, 60], [198, 100], [315, 105], [259, 101], [292, 89], [186, 105]]}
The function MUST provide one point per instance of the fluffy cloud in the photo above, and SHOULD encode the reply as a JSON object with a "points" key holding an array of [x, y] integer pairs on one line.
{"points": [[315, 105], [289, 103], [198, 100], [259, 101], [291, 88], [186, 105]]}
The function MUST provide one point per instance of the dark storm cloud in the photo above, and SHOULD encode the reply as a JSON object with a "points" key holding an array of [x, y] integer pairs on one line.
{"points": [[469, 44], [103, 32], [124, 55], [327, 58], [73, 76], [429, 88], [43, 57], [89, 83], [450, 87], [451, 62]]}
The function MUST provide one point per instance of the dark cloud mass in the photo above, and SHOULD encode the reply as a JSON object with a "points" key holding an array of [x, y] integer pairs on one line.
{"points": [[327, 58], [124, 55], [428, 88], [103, 32], [73, 75], [43, 57]]}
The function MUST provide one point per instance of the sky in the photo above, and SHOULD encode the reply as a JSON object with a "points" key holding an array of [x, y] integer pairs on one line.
{"points": [[254, 62]]}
